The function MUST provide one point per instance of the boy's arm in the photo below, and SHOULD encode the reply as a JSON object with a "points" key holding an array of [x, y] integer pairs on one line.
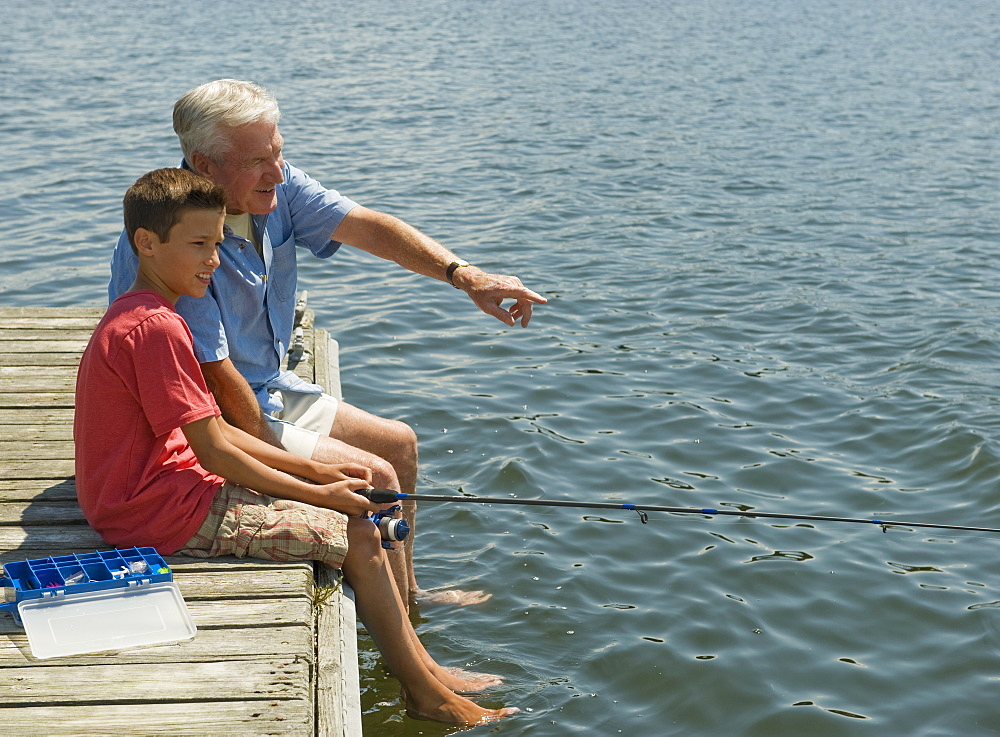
{"points": [[282, 460], [219, 456]]}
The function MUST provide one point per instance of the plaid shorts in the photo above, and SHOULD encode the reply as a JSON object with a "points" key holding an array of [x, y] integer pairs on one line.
{"points": [[244, 523]]}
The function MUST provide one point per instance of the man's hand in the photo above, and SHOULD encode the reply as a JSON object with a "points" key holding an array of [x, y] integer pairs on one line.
{"points": [[488, 291], [331, 473]]}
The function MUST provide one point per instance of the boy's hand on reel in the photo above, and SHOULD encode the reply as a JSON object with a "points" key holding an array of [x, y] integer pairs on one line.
{"points": [[345, 497]]}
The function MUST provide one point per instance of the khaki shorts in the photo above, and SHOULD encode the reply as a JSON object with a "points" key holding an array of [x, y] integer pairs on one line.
{"points": [[244, 523], [304, 419]]}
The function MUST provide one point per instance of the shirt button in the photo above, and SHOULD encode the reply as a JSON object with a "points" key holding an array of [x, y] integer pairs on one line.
{"points": [[264, 278]]}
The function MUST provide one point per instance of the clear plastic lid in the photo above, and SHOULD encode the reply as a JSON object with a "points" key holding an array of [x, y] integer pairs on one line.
{"points": [[113, 619]]}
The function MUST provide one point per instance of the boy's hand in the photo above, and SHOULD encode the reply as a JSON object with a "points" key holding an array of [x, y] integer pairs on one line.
{"points": [[342, 497], [331, 473]]}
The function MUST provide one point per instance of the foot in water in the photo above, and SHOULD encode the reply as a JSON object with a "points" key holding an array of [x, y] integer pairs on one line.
{"points": [[455, 710], [465, 682], [455, 597]]}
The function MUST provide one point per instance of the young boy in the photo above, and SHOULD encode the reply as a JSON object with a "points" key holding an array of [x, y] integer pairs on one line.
{"points": [[156, 465]]}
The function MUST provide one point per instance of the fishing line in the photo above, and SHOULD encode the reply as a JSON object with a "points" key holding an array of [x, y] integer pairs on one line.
{"points": [[385, 496]]}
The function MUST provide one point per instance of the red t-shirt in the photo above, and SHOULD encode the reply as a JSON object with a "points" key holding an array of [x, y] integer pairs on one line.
{"points": [[137, 478]]}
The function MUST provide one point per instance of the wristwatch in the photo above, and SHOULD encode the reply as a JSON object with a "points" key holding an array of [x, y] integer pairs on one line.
{"points": [[452, 268]]}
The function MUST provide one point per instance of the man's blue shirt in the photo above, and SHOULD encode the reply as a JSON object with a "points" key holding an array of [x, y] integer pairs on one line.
{"points": [[249, 310]]}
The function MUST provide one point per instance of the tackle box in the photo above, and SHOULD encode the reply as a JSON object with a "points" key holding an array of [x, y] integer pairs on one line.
{"points": [[106, 600]]}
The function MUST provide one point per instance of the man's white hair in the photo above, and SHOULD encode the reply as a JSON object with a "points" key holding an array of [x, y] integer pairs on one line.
{"points": [[202, 115]]}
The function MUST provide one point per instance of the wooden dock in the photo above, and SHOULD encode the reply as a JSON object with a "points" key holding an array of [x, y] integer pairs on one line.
{"points": [[264, 660]]}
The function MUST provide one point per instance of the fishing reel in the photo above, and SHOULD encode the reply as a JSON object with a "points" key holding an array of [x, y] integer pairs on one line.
{"points": [[391, 528]]}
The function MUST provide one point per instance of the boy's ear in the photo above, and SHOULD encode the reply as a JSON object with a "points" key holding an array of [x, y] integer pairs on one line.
{"points": [[144, 241]]}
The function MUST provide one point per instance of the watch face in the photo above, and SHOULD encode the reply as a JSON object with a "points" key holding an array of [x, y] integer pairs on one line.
{"points": [[452, 268]]}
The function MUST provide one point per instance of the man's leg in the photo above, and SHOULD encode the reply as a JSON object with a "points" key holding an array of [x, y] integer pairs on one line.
{"points": [[389, 448]]}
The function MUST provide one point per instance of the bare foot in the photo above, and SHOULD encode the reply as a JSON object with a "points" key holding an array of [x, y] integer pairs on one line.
{"points": [[451, 596], [464, 682], [455, 710]]}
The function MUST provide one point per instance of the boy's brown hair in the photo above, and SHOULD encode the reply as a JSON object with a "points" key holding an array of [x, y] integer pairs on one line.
{"points": [[158, 199]]}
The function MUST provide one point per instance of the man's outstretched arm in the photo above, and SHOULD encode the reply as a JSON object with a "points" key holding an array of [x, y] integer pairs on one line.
{"points": [[390, 238]]}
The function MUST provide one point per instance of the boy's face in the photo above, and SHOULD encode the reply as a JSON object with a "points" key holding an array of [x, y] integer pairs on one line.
{"points": [[183, 264]]}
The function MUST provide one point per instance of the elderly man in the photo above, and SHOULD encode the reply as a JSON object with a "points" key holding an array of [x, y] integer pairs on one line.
{"points": [[228, 131]]}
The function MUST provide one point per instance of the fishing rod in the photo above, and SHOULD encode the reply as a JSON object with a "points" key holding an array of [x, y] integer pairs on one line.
{"points": [[385, 496]]}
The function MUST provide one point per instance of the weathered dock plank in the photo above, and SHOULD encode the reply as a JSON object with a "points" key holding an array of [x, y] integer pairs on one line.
{"points": [[243, 717], [49, 513], [23, 468], [46, 345], [209, 645], [338, 684], [42, 332], [62, 418], [36, 449], [14, 490], [30, 400], [38, 359], [35, 379], [28, 432], [54, 317], [266, 677], [64, 537]]}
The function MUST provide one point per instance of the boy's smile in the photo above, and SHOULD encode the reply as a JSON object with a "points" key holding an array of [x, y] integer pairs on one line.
{"points": [[184, 263]]}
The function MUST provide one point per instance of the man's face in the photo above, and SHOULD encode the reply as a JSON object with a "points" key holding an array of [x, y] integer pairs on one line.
{"points": [[250, 170]]}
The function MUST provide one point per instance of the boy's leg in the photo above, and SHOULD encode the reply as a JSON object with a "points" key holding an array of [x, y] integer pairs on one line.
{"points": [[428, 689], [244, 523], [396, 443]]}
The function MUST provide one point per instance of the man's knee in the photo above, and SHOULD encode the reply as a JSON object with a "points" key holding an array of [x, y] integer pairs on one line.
{"points": [[395, 452], [383, 473], [406, 439]]}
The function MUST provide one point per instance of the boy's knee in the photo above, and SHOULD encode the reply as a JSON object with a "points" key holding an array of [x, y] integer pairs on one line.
{"points": [[363, 536], [361, 532]]}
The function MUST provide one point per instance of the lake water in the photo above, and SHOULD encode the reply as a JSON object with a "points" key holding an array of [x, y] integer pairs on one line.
{"points": [[768, 233]]}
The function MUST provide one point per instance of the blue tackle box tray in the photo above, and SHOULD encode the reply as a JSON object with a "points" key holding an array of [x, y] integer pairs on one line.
{"points": [[110, 599]]}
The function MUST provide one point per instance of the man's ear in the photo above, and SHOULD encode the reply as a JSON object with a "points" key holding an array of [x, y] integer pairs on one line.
{"points": [[144, 241], [201, 164]]}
